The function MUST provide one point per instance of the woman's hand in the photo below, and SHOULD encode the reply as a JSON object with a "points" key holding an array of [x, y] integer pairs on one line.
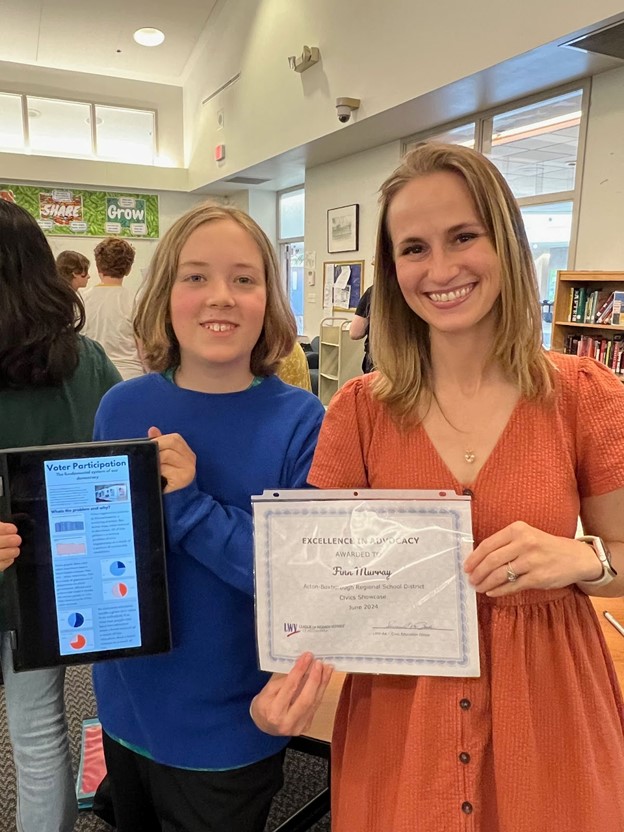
{"points": [[9, 545], [177, 460], [287, 703], [538, 559]]}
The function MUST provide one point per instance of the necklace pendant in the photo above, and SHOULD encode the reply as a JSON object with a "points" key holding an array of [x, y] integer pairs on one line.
{"points": [[469, 457]]}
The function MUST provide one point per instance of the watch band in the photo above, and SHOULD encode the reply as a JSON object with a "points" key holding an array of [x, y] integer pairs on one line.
{"points": [[602, 553]]}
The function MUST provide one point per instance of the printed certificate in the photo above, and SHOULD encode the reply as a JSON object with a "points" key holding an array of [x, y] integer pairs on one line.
{"points": [[369, 581]]}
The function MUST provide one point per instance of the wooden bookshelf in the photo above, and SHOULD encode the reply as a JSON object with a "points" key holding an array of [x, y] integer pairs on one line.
{"points": [[588, 281]]}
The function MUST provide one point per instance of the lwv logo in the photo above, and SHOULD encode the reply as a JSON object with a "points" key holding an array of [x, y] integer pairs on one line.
{"points": [[290, 629]]}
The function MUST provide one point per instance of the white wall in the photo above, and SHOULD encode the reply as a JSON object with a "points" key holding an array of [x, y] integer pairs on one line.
{"points": [[601, 219], [385, 53], [355, 179]]}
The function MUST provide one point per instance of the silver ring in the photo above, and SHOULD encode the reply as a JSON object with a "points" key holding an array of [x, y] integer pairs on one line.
{"points": [[511, 575]]}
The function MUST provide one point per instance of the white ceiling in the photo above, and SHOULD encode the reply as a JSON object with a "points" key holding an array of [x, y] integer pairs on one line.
{"points": [[96, 35]]}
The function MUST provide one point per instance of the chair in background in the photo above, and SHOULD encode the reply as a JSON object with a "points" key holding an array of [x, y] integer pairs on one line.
{"points": [[313, 362]]}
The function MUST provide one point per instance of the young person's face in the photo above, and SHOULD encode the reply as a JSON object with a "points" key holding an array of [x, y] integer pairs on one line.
{"points": [[218, 302], [446, 265], [80, 279]]}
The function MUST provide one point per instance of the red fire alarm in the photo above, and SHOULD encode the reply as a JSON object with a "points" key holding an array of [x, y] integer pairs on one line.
{"points": [[219, 153]]}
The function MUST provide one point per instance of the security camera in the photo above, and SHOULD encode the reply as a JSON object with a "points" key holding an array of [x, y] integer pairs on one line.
{"points": [[344, 108]]}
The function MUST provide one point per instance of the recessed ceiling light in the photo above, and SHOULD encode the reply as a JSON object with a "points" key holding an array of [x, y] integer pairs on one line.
{"points": [[33, 113], [148, 36]]}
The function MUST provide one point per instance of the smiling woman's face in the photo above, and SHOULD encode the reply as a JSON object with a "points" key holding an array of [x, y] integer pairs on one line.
{"points": [[446, 264]]}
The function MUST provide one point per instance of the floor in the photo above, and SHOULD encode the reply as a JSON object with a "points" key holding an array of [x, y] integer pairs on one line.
{"points": [[304, 775]]}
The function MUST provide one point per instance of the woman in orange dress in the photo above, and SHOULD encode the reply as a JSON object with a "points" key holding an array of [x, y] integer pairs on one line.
{"points": [[465, 398]]}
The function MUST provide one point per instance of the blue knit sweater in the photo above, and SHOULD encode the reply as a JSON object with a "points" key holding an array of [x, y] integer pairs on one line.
{"points": [[190, 708]]}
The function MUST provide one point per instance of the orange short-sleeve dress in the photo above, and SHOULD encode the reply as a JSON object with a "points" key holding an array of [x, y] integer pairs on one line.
{"points": [[536, 743]]}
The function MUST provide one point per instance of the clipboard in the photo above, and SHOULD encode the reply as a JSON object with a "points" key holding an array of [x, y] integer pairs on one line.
{"points": [[90, 582]]}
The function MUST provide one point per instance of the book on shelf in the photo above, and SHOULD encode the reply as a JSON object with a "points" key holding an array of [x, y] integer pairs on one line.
{"points": [[580, 306], [600, 306], [617, 317], [608, 351], [603, 316]]}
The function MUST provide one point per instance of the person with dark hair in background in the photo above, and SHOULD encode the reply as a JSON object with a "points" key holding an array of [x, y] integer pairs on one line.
{"points": [[74, 267], [109, 307], [360, 328], [51, 382]]}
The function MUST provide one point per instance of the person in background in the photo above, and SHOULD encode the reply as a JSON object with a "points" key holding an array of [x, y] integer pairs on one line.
{"points": [[466, 399], [182, 751], [360, 328], [294, 369], [74, 268], [51, 382], [109, 307]]}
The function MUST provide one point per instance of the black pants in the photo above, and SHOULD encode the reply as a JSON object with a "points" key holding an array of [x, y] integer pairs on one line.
{"points": [[150, 797]]}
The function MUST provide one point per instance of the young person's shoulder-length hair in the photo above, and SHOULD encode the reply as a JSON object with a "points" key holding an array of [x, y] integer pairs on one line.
{"points": [[400, 339], [70, 263], [152, 322], [40, 313]]}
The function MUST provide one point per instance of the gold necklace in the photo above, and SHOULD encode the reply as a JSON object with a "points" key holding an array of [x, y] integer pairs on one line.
{"points": [[469, 455]]}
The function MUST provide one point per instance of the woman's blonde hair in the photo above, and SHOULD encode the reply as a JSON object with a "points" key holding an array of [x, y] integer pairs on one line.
{"points": [[152, 322], [400, 338]]}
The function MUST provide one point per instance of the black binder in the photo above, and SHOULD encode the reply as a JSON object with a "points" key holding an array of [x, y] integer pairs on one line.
{"points": [[90, 582]]}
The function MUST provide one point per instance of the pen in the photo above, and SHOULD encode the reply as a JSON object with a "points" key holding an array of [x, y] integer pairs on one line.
{"points": [[614, 622]]}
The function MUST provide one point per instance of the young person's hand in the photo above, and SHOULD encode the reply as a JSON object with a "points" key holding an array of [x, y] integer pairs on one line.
{"points": [[287, 703], [9, 545], [177, 460]]}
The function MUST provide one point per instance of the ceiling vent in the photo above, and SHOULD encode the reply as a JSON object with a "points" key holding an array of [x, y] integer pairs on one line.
{"points": [[246, 180], [609, 41]]}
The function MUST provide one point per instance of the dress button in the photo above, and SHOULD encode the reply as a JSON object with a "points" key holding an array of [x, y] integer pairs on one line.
{"points": [[467, 492], [466, 807], [465, 704], [464, 757]]}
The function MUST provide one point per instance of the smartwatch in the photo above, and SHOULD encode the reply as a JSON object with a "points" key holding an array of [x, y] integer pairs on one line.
{"points": [[604, 556]]}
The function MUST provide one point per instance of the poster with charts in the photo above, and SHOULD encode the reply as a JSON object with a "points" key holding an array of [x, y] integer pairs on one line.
{"points": [[93, 554]]}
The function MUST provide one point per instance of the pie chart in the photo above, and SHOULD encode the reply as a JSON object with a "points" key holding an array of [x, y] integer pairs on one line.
{"points": [[117, 568], [120, 590], [78, 642], [76, 619]]}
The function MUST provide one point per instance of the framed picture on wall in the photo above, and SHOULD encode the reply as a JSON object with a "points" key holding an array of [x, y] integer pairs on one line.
{"points": [[343, 285], [343, 228]]}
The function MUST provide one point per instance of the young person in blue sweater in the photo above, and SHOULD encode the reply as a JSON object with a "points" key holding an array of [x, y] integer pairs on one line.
{"points": [[181, 748]]}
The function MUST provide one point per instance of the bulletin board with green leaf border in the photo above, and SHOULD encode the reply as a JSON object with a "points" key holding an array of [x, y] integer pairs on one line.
{"points": [[71, 212]]}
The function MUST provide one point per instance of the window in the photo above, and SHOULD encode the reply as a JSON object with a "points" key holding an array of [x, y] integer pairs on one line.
{"points": [[76, 129], [291, 210], [464, 134], [125, 135], [535, 145], [291, 226], [59, 128], [549, 229]]}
